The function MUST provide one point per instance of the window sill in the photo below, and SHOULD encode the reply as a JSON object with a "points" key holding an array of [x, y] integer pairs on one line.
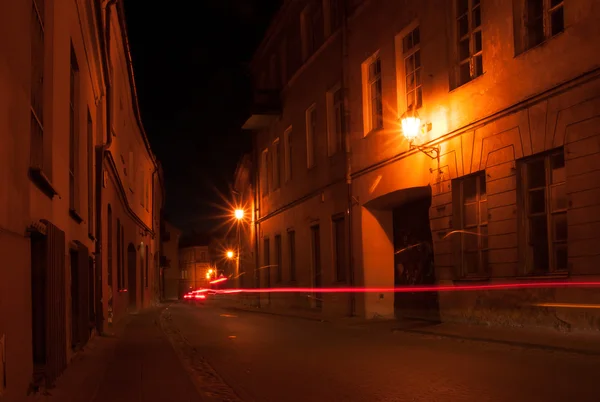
{"points": [[42, 182], [75, 215]]}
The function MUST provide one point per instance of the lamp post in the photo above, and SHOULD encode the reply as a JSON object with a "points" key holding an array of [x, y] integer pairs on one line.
{"points": [[239, 215]]}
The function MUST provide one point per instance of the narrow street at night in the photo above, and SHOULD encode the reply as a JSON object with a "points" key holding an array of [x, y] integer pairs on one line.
{"points": [[270, 358]]}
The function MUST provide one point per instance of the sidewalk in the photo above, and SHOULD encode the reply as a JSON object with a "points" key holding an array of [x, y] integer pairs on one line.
{"points": [[533, 338], [138, 364]]}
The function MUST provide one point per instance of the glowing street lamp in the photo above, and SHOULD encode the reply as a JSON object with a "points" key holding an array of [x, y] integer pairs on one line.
{"points": [[238, 214], [229, 254], [411, 124]]}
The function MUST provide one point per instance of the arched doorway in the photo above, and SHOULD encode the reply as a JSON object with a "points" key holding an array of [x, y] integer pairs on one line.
{"points": [[132, 277]]}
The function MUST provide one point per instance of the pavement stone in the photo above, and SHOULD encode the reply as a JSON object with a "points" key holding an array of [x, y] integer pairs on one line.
{"points": [[134, 363], [537, 338]]}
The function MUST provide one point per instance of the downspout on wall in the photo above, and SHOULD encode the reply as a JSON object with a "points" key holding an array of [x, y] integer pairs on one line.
{"points": [[347, 136], [104, 37]]}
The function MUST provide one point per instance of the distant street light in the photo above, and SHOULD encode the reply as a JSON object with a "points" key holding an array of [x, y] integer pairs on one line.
{"points": [[229, 254], [239, 214]]}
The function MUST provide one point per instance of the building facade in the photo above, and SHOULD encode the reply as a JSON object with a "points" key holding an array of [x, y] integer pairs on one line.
{"points": [[195, 265], [496, 181], [299, 144], [169, 263], [61, 170]]}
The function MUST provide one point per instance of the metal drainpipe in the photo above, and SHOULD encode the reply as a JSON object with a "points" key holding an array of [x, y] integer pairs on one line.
{"points": [[104, 38], [256, 224], [345, 80]]}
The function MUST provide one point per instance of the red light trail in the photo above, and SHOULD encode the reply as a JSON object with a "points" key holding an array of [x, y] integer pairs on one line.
{"points": [[414, 289]]}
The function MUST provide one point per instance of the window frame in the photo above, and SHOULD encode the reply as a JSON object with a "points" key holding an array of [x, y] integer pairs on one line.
{"points": [[276, 171], [471, 33], [407, 53], [525, 202], [371, 121], [335, 110], [288, 144], [481, 225], [311, 136]]}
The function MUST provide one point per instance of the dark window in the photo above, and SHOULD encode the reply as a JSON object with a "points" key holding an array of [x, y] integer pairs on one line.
{"points": [[74, 135], [276, 164], [469, 40], [278, 259], [109, 246], [119, 259], [411, 46], [292, 254], [336, 14], [473, 219], [545, 204], [543, 19], [375, 94], [90, 171], [37, 86]]}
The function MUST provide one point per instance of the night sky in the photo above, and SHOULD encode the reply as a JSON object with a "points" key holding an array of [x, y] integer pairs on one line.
{"points": [[190, 65]]}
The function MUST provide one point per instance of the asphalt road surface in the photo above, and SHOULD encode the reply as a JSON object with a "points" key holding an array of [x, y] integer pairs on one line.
{"points": [[267, 358]]}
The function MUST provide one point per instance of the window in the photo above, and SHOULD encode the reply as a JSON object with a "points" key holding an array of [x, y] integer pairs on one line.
{"points": [[311, 135], [37, 86], [73, 135], [267, 264], [202, 256], [372, 87], [411, 49], [147, 196], [120, 284], [469, 45], [276, 164], [283, 62], [274, 77], [147, 269], [278, 259], [264, 173], [339, 241], [90, 172], [292, 254], [109, 246], [545, 199], [123, 282], [311, 22], [336, 9], [287, 143], [543, 19], [473, 220], [335, 126]]}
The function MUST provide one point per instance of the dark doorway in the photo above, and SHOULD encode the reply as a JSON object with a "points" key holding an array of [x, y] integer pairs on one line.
{"points": [[413, 261], [132, 276], [316, 264], [142, 280], [267, 267], [74, 260]]}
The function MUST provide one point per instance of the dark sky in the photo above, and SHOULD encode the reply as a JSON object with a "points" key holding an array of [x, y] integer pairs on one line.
{"points": [[193, 87]]}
